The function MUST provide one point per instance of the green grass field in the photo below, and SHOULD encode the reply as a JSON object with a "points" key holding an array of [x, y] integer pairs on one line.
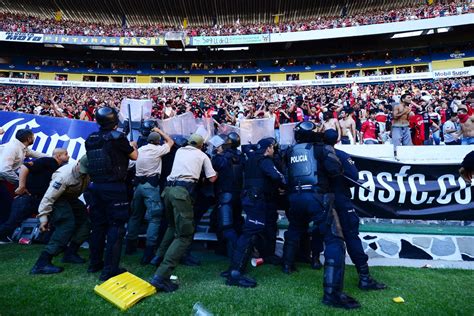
{"points": [[426, 291]]}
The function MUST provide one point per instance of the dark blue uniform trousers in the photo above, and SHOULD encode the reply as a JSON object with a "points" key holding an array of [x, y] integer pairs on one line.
{"points": [[259, 213], [350, 229], [306, 207], [109, 211]]}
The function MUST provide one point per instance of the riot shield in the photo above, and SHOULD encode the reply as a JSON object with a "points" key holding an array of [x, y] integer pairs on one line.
{"points": [[287, 134], [251, 131], [227, 129]]}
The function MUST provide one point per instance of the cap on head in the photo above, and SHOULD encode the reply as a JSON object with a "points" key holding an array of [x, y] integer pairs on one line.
{"points": [[154, 138], [196, 140], [83, 164]]}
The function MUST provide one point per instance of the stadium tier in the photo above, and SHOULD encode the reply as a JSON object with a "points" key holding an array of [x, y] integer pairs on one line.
{"points": [[268, 131]]}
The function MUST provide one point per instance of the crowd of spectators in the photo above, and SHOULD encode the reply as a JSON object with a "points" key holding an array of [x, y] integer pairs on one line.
{"points": [[238, 64], [359, 111], [24, 23]]}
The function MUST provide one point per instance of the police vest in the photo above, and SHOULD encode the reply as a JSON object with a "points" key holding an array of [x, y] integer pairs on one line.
{"points": [[102, 166], [302, 165], [237, 170]]}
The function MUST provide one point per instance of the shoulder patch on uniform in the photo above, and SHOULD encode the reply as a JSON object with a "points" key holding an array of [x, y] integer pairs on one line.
{"points": [[57, 185], [349, 160], [116, 134]]}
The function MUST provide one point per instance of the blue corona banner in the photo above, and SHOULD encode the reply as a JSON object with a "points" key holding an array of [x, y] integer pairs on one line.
{"points": [[50, 132]]}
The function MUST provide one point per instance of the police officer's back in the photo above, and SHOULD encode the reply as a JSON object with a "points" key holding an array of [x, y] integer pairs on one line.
{"points": [[228, 162], [261, 181], [108, 152], [311, 165], [348, 217]]}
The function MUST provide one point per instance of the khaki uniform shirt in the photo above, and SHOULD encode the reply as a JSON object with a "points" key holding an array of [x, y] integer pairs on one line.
{"points": [[66, 182], [149, 159], [188, 164]]}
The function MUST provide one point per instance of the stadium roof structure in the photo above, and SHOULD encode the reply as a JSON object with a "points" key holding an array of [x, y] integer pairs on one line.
{"points": [[197, 12]]}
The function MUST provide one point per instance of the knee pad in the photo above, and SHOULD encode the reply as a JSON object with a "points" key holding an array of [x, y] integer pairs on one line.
{"points": [[225, 216]]}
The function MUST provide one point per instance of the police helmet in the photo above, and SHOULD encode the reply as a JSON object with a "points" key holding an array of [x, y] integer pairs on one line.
{"points": [[309, 132], [179, 141], [234, 139], [264, 143], [146, 127], [107, 118], [227, 142]]}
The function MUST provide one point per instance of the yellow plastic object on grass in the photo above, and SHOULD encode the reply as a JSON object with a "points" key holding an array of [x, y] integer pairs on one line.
{"points": [[398, 299], [125, 290]]}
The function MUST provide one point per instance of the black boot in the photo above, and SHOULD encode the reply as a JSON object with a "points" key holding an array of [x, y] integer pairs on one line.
{"points": [[163, 284], [238, 279], [289, 252], [225, 274], [189, 260], [131, 247], [147, 255], [316, 263], [333, 285], [366, 282], [304, 250], [96, 267], [71, 255], [44, 266]]}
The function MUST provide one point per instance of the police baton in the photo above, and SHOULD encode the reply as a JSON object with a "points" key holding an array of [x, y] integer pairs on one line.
{"points": [[130, 122], [357, 184]]}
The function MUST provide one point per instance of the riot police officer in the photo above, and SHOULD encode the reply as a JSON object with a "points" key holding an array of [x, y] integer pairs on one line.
{"points": [[311, 164], [145, 129], [348, 216], [108, 153], [261, 182], [228, 164]]}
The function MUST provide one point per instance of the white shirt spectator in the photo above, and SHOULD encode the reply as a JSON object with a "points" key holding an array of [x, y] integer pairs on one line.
{"points": [[12, 158], [450, 125]]}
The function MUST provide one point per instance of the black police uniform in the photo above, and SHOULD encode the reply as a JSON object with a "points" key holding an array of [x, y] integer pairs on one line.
{"points": [[278, 202], [107, 153], [229, 165], [261, 180], [310, 167], [350, 222], [348, 218]]}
